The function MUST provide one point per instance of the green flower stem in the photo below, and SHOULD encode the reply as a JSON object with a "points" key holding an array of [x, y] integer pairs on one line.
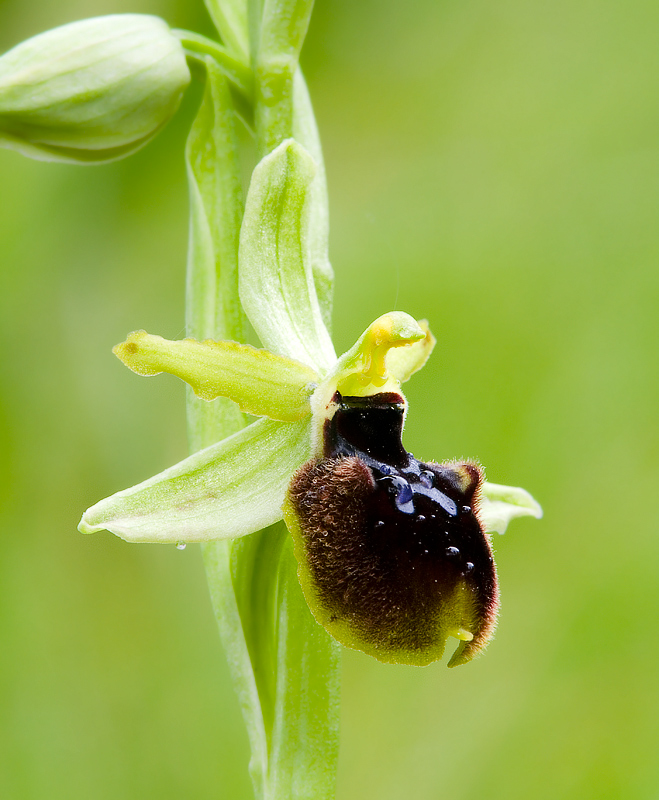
{"points": [[197, 47], [230, 19], [215, 214], [285, 667], [275, 53], [216, 206]]}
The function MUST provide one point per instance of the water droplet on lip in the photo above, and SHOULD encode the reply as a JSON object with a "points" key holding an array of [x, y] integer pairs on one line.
{"points": [[452, 552], [466, 509], [379, 524], [469, 566], [421, 518], [181, 545], [404, 496], [426, 478], [404, 490]]}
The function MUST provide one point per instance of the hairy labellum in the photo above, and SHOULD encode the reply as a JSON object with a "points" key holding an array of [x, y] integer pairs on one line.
{"points": [[392, 557]]}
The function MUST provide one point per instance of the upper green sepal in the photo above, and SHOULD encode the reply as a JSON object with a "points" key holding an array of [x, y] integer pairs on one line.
{"points": [[260, 382], [91, 91], [277, 287]]}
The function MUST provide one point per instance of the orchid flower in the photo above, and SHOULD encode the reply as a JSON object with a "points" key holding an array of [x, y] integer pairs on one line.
{"points": [[340, 418]]}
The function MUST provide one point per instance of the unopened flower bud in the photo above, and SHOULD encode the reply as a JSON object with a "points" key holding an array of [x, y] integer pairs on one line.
{"points": [[91, 91], [392, 556]]}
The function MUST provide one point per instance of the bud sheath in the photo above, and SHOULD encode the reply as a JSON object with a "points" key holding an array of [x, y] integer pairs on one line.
{"points": [[93, 90]]}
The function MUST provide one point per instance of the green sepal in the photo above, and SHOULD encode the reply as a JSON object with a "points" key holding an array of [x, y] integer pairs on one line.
{"points": [[500, 504], [276, 282], [230, 489], [260, 382], [73, 155], [305, 131]]}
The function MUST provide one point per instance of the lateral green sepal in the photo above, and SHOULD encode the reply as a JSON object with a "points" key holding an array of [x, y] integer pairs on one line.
{"points": [[260, 382], [500, 504], [230, 489]]}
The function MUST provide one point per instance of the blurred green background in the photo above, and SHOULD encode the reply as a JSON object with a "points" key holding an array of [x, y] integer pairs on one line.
{"points": [[493, 166]]}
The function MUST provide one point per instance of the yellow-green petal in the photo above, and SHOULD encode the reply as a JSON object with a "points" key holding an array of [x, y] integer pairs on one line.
{"points": [[259, 381]]}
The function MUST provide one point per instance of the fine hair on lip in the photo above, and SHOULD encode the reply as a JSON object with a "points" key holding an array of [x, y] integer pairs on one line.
{"points": [[393, 558]]}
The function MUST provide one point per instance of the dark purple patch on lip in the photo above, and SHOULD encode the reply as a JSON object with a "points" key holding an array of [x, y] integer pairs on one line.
{"points": [[389, 539]]}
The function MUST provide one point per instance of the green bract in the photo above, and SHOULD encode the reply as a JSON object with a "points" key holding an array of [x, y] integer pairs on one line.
{"points": [[91, 91]]}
